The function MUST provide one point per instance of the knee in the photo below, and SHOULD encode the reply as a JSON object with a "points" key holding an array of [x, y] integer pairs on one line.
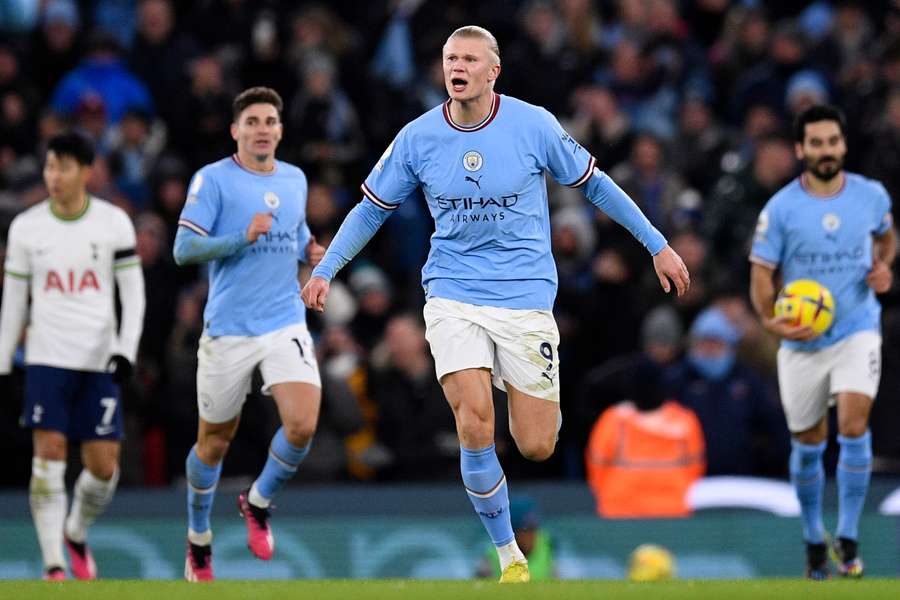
{"points": [[475, 428], [211, 449], [104, 471], [853, 426], [299, 432], [537, 449]]}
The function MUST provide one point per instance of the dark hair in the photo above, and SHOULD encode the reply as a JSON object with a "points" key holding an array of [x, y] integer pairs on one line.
{"points": [[72, 144], [814, 114], [256, 95]]}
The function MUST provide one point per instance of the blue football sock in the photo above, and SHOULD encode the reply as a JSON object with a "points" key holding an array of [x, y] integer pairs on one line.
{"points": [[853, 470], [486, 486], [808, 478], [283, 461], [202, 480]]}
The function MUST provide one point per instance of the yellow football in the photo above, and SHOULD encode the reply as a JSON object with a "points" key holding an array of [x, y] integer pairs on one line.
{"points": [[650, 562], [807, 303]]}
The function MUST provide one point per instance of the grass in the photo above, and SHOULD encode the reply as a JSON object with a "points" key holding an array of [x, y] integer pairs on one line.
{"points": [[439, 590]]}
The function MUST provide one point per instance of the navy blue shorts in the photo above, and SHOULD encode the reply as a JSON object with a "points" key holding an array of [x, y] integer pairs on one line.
{"points": [[84, 405]]}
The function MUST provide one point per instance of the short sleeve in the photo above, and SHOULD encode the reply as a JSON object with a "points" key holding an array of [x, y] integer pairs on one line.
{"points": [[18, 262], [568, 162], [393, 179], [768, 239], [125, 235], [203, 203], [883, 218], [125, 250]]}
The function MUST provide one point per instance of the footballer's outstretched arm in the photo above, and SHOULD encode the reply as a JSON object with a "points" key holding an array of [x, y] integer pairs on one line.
{"points": [[606, 195], [355, 232]]}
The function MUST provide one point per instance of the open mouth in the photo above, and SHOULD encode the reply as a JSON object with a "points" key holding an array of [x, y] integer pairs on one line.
{"points": [[458, 84]]}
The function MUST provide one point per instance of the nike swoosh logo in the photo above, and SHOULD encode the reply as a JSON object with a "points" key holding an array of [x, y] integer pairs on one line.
{"points": [[104, 429]]}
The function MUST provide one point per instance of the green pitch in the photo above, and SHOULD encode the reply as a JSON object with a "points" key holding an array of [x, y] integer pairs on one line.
{"points": [[440, 590]]}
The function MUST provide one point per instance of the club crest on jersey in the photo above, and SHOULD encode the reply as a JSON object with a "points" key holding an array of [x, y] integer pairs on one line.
{"points": [[830, 222], [272, 200], [472, 161]]}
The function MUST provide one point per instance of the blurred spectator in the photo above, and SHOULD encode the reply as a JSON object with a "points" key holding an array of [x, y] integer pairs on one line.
{"points": [[373, 293], [201, 132], [134, 146], [640, 82], [161, 279], [403, 384], [883, 155], [265, 63], [699, 144], [160, 55], [649, 179], [644, 453], [737, 198], [542, 55], [743, 426], [102, 74], [323, 125], [534, 542], [611, 381], [766, 83], [601, 126], [805, 89], [55, 46]]}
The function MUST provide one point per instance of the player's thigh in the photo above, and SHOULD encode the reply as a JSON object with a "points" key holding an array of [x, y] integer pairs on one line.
{"points": [[456, 340], [224, 370], [97, 409], [469, 394], [527, 355], [857, 364], [49, 394], [804, 387], [532, 418]]}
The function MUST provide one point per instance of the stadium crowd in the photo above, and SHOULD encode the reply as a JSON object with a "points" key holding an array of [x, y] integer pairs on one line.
{"points": [[687, 104]]}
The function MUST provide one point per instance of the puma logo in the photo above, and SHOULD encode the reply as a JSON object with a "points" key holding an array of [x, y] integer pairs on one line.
{"points": [[477, 182]]}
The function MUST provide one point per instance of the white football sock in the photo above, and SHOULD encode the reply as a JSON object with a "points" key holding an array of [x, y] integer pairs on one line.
{"points": [[256, 499], [92, 496], [47, 495], [509, 554], [200, 539]]}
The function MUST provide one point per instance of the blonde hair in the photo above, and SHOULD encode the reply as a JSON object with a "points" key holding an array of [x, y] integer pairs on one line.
{"points": [[474, 31]]}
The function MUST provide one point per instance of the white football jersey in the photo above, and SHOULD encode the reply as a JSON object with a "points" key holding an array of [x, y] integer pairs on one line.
{"points": [[71, 266]]}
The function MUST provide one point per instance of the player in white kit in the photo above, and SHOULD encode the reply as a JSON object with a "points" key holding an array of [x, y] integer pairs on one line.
{"points": [[69, 253]]}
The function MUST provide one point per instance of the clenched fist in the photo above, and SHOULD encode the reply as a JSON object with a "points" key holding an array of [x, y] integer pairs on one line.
{"points": [[261, 223]]}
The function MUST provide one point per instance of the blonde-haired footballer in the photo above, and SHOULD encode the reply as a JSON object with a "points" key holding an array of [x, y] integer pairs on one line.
{"points": [[490, 280]]}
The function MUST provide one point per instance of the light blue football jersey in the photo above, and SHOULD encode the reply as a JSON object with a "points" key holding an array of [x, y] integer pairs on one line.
{"points": [[828, 239], [485, 189], [255, 290]]}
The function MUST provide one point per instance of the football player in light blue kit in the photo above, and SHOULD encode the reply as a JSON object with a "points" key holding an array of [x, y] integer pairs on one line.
{"points": [[490, 280], [246, 216], [834, 227]]}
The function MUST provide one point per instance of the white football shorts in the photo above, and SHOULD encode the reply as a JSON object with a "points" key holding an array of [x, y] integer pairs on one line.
{"points": [[518, 346], [225, 367], [809, 381]]}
